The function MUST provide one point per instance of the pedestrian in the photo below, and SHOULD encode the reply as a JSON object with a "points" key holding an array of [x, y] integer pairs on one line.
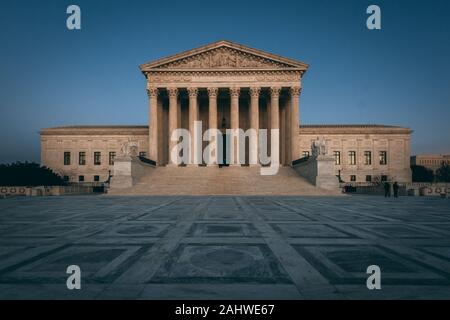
{"points": [[395, 186], [387, 189]]}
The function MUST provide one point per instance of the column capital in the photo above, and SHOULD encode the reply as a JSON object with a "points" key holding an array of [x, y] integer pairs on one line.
{"points": [[255, 91], [173, 92], [235, 91], [152, 92], [295, 91], [275, 91], [193, 92], [212, 92]]}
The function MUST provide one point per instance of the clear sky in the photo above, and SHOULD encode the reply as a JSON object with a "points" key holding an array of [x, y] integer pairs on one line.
{"points": [[50, 76]]}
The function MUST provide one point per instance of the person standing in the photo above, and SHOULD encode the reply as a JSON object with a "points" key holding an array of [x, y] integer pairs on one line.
{"points": [[395, 186], [387, 189]]}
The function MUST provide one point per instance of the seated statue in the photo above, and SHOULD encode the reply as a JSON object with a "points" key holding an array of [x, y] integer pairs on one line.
{"points": [[129, 148], [319, 147]]}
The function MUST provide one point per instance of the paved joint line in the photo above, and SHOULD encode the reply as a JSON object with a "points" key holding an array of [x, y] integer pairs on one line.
{"points": [[149, 263], [308, 281], [146, 211]]}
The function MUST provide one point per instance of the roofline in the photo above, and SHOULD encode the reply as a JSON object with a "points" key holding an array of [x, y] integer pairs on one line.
{"points": [[363, 125], [96, 130], [143, 129], [432, 155], [149, 66], [353, 129]]}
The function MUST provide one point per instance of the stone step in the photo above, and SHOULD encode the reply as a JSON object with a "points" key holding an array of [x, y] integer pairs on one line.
{"points": [[220, 181]]}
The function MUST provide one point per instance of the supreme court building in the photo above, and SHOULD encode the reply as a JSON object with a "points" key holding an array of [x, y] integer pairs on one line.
{"points": [[228, 86]]}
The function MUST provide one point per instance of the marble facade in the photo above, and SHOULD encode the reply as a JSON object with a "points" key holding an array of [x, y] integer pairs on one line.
{"points": [[226, 86]]}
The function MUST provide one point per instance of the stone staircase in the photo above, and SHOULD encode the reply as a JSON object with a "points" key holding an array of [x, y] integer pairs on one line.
{"points": [[220, 181]]}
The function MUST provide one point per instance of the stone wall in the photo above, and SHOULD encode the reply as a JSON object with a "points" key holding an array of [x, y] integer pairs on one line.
{"points": [[56, 141], [127, 172], [319, 171]]}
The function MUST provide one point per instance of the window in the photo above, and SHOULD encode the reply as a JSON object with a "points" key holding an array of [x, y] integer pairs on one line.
{"points": [[352, 177], [96, 178], [82, 158], [67, 158], [383, 178], [66, 178], [383, 157], [142, 154], [97, 158], [368, 178], [337, 157], [81, 178], [112, 155], [305, 154], [352, 157], [367, 158]]}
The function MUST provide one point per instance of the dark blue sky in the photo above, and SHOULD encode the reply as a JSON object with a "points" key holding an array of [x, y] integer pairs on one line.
{"points": [[50, 76]]}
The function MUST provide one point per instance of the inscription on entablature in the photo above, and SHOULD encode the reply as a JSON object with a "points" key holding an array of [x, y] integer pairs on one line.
{"points": [[162, 78]]}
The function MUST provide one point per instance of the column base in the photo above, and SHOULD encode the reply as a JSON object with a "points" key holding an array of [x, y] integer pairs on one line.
{"points": [[254, 165]]}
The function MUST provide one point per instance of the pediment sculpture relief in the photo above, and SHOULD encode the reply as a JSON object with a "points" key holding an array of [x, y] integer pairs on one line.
{"points": [[224, 58]]}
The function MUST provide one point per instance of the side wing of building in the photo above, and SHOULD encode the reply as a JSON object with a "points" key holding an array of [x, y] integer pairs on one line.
{"points": [[364, 152], [86, 153]]}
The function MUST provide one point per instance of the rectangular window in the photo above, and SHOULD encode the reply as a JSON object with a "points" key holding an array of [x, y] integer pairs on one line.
{"points": [[367, 158], [112, 155], [66, 178], [81, 178], [352, 178], [352, 157], [383, 178], [82, 158], [142, 154], [305, 154], [97, 158], [96, 178], [337, 157], [67, 158], [368, 178], [383, 157]]}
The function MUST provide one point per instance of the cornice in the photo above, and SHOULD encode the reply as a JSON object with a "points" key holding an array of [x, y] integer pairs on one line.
{"points": [[94, 130], [224, 44]]}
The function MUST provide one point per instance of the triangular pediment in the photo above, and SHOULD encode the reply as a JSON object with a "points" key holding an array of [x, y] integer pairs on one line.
{"points": [[224, 55]]}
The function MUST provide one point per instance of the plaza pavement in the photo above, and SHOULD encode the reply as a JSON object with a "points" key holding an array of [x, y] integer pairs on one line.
{"points": [[224, 247]]}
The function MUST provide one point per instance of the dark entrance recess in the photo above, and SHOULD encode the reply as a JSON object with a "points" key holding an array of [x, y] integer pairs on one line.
{"points": [[222, 152]]}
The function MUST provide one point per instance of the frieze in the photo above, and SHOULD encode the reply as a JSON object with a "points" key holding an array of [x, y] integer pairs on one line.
{"points": [[186, 77]]}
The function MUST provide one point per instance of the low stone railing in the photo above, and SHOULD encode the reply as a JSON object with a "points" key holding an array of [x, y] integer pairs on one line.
{"points": [[430, 189], [13, 191], [411, 188]]}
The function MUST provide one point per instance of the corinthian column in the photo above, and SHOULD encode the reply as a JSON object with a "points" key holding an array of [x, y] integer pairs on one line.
{"points": [[212, 94], [254, 124], [153, 125], [193, 116], [173, 120], [274, 114], [275, 107], [295, 98], [234, 111]]}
